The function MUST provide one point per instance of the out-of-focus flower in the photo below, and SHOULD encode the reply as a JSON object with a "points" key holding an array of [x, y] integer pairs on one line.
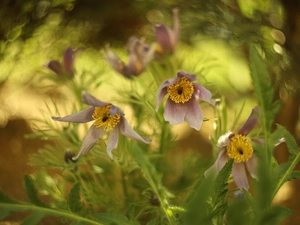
{"points": [[64, 69], [107, 117], [239, 148], [182, 104], [140, 54], [167, 38]]}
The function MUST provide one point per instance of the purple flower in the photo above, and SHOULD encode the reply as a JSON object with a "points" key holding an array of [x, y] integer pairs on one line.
{"points": [[182, 104], [64, 69], [167, 38], [238, 147], [140, 54], [107, 117]]}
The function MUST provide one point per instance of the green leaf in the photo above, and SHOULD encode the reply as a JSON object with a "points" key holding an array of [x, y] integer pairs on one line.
{"points": [[74, 198], [3, 213], [290, 140], [275, 215], [6, 205], [155, 181], [31, 192], [285, 171], [239, 212], [152, 222], [34, 218], [221, 183], [5, 199], [294, 175], [198, 210], [114, 219], [40, 212], [263, 91], [250, 200]]}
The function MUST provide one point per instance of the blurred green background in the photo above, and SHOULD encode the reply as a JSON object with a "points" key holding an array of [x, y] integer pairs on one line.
{"points": [[215, 36]]}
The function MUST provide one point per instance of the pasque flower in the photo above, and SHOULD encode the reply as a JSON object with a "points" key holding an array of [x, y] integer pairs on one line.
{"points": [[166, 37], [140, 54], [64, 69], [239, 148], [182, 104], [107, 117]]}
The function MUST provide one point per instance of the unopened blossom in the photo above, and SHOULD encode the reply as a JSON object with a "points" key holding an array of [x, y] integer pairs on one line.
{"points": [[140, 54], [238, 146], [64, 69], [182, 101], [106, 117], [166, 37]]}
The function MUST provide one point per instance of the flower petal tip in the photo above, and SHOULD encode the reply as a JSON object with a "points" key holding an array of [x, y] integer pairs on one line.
{"points": [[55, 117], [83, 93], [147, 140], [74, 159], [109, 153]]}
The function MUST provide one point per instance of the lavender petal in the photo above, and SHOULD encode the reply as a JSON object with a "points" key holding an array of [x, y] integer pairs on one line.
{"points": [[56, 67], [218, 164], [194, 115], [112, 142], [89, 99], [222, 159], [252, 165], [163, 38], [240, 176], [251, 121], [92, 136], [127, 131], [191, 77], [117, 63], [79, 117], [68, 60], [174, 112], [203, 94]]}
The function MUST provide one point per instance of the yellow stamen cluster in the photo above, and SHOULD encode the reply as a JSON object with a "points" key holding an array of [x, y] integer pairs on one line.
{"points": [[103, 118], [239, 148], [181, 91]]}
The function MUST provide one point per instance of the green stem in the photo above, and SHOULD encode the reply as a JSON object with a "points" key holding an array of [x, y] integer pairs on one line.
{"points": [[48, 211], [162, 139], [284, 178]]}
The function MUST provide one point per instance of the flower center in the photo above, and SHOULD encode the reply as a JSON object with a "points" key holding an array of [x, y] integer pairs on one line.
{"points": [[181, 91], [239, 148], [103, 118]]}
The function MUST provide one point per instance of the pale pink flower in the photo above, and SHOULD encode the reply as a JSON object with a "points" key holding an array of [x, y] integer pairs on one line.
{"points": [[182, 101], [106, 117]]}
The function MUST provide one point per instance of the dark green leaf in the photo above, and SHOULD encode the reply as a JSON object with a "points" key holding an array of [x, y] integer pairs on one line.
{"points": [[199, 209], [294, 175], [221, 183], [114, 219], [290, 140], [74, 198], [275, 215], [5, 199], [4, 212], [154, 179], [34, 218], [250, 200], [152, 222], [239, 212], [31, 192], [263, 88]]}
